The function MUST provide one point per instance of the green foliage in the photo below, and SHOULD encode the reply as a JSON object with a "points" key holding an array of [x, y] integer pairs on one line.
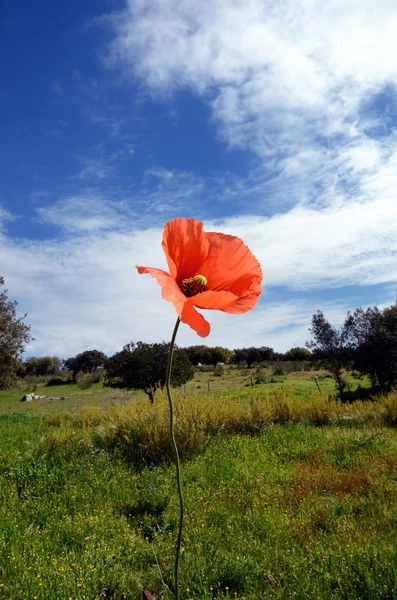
{"points": [[367, 342], [14, 335], [87, 362], [40, 366], [260, 380], [373, 341], [85, 380], [62, 378], [278, 368], [252, 355], [297, 354], [143, 367], [204, 355], [330, 350]]}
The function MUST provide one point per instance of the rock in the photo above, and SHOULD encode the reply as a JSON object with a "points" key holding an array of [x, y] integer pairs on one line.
{"points": [[31, 397], [27, 398]]}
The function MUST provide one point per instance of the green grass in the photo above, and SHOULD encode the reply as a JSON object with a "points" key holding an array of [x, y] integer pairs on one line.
{"points": [[282, 500]]}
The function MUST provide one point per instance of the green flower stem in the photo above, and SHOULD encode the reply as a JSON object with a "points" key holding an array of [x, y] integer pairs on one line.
{"points": [[175, 448]]}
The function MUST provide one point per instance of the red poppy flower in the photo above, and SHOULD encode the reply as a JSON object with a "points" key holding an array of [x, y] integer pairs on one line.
{"points": [[207, 270]]}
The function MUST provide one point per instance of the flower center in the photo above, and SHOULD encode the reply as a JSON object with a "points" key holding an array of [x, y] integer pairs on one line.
{"points": [[193, 285]]}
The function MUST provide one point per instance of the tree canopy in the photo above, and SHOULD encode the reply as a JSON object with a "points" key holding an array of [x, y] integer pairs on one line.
{"points": [[143, 367], [86, 362], [14, 335], [367, 342], [372, 337], [330, 349], [206, 355], [253, 355], [41, 365], [297, 354]]}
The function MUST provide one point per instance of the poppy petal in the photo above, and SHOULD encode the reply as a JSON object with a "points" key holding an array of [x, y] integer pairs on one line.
{"points": [[230, 265], [191, 317], [170, 289], [242, 305], [186, 247], [246, 283], [214, 300]]}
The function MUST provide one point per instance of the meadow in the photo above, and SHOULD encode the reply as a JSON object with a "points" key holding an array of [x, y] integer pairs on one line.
{"points": [[288, 493]]}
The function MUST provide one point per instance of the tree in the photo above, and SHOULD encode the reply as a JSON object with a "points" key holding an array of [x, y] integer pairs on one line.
{"points": [[218, 355], [197, 354], [143, 367], [205, 355], [298, 354], [373, 341], [14, 335], [87, 362], [43, 365], [248, 355], [330, 348], [267, 354]]}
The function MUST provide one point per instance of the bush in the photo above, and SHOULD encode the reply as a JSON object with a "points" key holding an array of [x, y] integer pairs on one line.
{"points": [[259, 380], [84, 380], [278, 369], [389, 404], [33, 380], [66, 444], [56, 381], [263, 370], [318, 412], [139, 433], [218, 371], [87, 416], [281, 412]]}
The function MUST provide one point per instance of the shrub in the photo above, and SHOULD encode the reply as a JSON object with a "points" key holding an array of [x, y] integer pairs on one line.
{"points": [[84, 380], [139, 433], [318, 412], [62, 378], [281, 411], [265, 380], [389, 404], [218, 371], [87, 416], [66, 444], [278, 368]]}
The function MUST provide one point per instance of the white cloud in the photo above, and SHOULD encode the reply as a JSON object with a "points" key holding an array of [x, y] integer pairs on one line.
{"points": [[310, 249], [285, 80], [288, 81], [285, 67], [363, 156], [5, 215], [83, 291], [94, 168], [83, 213]]}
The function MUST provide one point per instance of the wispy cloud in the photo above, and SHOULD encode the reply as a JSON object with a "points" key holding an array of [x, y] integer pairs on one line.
{"points": [[292, 84], [84, 213], [82, 290], [94, 168], [308, 90], [5, 216]]}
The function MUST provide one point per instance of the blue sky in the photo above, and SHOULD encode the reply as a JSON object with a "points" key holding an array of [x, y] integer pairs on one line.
{"points": [[271, 121]]}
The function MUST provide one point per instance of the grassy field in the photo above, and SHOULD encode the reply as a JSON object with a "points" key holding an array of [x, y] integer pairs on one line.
{"points": [[288, 494]]}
